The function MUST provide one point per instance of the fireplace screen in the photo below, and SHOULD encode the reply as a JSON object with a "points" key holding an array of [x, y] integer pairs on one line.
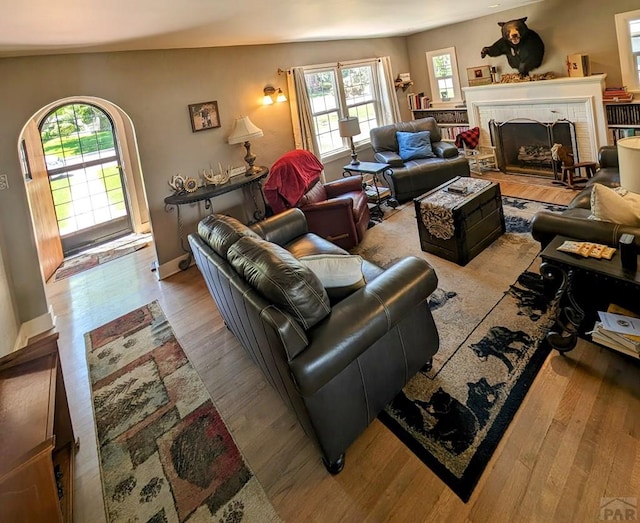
{"points": [[524, 146]]}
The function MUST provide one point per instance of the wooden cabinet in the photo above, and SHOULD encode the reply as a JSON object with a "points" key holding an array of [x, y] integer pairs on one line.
{"points": [[37, 444]]}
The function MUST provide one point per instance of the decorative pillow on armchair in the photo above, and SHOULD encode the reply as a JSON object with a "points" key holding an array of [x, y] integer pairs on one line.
{"points": [[414, 146], [615, 205]]}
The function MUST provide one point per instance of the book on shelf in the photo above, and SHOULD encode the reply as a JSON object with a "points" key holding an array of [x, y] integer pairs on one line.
{"points": [[614, 339], [617, 94], [609, 338], [418, 101]]}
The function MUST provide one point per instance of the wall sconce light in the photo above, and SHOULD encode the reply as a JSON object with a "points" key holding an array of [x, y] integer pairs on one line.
{"points": [[269, 91]]}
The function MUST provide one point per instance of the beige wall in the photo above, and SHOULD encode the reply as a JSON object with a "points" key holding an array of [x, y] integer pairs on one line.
{"points": [[155, 87], [582, 26], [8, 322]]}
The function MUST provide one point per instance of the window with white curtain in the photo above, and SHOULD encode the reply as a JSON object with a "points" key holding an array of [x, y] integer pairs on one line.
{"points": [[341, 90], [628, 31], [443, 76]]}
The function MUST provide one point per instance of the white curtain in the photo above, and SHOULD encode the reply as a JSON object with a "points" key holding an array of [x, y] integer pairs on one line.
{"points": [[387, 95], [301, 117]]}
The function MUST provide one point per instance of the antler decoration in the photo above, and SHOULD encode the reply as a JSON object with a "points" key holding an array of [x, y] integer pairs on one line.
{"points": [[177, 183]]}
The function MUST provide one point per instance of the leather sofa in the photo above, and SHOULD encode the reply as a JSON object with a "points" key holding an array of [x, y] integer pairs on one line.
{"points": [[413, 178], [338, 365], [574, 222]]}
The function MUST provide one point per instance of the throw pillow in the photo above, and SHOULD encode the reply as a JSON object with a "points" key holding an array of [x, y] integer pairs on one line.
{"points": [[615, 205], [220, 232], [414, 146], [283, 280], [340, 274]]}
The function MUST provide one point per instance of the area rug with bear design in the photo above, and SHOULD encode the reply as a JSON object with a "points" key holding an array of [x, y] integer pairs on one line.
{"points": [[492, 316]]}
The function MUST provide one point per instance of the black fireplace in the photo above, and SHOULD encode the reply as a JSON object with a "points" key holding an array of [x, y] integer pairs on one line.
{"points": [[523, 146]]}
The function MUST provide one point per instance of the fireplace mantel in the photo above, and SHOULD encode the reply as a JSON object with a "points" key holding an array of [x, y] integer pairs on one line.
{"points": [[578, 100]]}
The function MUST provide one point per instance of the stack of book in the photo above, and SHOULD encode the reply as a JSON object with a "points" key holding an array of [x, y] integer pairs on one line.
{"points": [[627, 343], [617, 94], [418, 101]]}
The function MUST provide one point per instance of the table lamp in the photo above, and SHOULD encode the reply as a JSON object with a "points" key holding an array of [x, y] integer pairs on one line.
{"points": [[629, 163], [350, 127], [243, 131]]}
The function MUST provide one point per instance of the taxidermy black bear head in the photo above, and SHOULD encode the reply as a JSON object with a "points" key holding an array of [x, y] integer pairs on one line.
{"points": [[522, 46], [514, 30]]}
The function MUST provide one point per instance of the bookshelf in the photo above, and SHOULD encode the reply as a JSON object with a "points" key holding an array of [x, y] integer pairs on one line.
{"points": [[451, 121], [623, 120]]}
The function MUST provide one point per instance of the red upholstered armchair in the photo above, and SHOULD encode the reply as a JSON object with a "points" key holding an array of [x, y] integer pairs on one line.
{"points": [[337, 210]]}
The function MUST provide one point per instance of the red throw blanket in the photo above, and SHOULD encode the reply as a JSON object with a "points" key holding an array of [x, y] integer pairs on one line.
{"points": [[290, 178], [470, 138]]}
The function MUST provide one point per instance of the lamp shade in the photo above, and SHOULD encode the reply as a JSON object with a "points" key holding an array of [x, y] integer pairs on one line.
{"points": [[244, 130], [349, 127], [629, 163]]}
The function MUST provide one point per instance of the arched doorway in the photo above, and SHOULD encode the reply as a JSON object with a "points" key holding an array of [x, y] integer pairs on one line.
{"points": [[85, 175], [37, 176]]}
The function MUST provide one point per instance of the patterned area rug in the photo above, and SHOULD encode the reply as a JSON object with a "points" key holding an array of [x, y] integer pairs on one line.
{"points": [[101, 254], [166, 454], [491, 316]]}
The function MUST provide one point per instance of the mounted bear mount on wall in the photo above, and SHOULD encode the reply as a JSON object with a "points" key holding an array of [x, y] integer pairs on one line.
{"points": [[522, 46]]}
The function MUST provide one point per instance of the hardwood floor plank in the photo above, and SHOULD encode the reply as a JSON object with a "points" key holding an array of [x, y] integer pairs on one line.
{"points": [[574, 439]]}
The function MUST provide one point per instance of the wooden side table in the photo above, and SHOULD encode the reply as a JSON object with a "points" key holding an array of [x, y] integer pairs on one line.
{"points": [[37, 444]]}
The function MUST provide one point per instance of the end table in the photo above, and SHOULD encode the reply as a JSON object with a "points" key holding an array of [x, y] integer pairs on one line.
{"points": [[374, 170]]}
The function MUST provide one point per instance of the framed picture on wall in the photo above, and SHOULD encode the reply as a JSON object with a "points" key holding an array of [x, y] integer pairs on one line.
{"points": [[204, 116], [479, 75]]}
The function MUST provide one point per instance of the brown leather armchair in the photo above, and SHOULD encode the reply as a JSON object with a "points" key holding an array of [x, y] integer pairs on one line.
{"points": [[336, 211]]}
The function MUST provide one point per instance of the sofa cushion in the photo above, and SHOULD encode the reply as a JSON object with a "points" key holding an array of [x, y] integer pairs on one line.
{"points": [[340, 274], [283, 280], [615, 205], [220, 232], [414, 146]]}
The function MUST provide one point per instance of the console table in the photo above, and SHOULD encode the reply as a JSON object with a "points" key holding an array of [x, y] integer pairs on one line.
{"points": [[583, 286], [206, 193]]}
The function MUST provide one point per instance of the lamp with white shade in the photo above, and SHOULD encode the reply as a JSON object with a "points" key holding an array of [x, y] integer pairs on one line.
{"points": [[243, 131], [629, 163], [348, 128]]}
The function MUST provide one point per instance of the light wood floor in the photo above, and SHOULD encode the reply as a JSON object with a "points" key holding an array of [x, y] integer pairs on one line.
{"points": [[574, 440]]}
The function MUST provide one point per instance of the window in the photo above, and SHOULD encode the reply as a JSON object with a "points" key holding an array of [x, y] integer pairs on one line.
{"points": [[443, 75], [339, 91], [628, 30]]}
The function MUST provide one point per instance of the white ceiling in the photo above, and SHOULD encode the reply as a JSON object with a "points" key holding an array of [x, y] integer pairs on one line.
{"points": [[30, 27]]}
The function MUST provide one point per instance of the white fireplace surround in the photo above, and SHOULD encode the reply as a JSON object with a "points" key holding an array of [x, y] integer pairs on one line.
{"points": [[578, 100]]}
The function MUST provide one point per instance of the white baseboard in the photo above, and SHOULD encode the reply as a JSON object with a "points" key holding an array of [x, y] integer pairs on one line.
{"points": [[31, 328], [171, 267]]}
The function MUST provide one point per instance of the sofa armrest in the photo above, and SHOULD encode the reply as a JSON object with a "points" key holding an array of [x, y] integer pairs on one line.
{"points": [[608, 156], [393, 159], [445, 149], [343, 185], [546, 225], [282, 228], [360, 320]]}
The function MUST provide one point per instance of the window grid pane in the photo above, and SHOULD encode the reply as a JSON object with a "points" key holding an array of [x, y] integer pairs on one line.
{"points": [[355, 94]]}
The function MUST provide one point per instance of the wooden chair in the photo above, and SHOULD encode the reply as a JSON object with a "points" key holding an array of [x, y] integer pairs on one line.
{"points": [[482, 158]]}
